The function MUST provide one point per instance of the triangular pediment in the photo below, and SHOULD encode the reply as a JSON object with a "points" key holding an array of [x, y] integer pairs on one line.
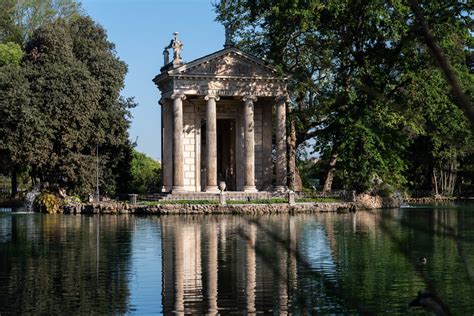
{"points": [[228, 62]]}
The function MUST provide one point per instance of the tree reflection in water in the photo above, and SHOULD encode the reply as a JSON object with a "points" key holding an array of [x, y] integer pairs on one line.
{"points": [[364, 262], [51, 265]]}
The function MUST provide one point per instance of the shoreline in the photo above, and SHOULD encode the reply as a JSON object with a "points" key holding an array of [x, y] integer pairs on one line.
{"points": [[205, 209], [362, 202], [365, 202], [433, 200]]}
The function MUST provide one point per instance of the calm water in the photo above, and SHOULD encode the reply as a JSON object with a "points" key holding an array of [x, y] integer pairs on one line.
{"points": [[324, 263]]}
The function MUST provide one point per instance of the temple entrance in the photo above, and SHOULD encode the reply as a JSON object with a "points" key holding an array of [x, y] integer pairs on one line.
{"points": [[226, 152]]}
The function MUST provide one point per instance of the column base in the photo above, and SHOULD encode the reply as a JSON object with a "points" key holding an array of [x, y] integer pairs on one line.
{"points": [[178, 189], [280, 188], [250, 188], [212, 189]]}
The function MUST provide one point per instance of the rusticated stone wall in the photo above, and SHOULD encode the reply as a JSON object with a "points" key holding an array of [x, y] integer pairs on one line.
{"points": [[160, 209]]}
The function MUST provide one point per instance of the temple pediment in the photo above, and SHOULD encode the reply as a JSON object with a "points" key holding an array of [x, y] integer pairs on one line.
{"points": [[228, 72], [229, 62]]}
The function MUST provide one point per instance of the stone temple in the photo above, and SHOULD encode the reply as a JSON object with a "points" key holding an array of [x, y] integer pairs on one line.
{"points": [[223, 118]]}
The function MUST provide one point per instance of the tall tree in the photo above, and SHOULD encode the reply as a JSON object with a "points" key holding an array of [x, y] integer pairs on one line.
{"points": [[69, 107], [351, 65], [20, 18], [67, 96], [17, 121], [112, 121]]}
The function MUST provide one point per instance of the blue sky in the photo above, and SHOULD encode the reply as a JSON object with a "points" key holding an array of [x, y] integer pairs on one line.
{"points": [[140, 30]]}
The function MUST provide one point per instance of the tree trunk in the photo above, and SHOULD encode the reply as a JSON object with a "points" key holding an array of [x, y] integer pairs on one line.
{"points": [[330, 174], [295, 182], [444, 177], [14, 181], [435, 182]]}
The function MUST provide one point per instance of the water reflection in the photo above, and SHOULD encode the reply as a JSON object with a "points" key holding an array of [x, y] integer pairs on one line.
{"points": [[222, 263], [49, 265], [364, 262]]}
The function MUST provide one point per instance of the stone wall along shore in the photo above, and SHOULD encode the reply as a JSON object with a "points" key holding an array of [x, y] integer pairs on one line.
{"points": [[362, 202], [163, 209]]}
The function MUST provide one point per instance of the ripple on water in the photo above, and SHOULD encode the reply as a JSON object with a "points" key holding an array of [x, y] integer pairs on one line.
{"points": [[322, 263]]}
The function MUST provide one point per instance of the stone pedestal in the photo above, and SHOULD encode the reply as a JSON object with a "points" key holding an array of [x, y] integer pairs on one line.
{"points": [[222, 200], [291, 198], [249, 141]]}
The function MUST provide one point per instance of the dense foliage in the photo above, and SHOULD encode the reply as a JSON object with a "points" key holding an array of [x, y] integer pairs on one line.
{"points": [[61, 105], [364, 86], [146, 174], [20, 18]]}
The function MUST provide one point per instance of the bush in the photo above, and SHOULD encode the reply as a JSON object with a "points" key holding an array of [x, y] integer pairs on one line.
{"points": [[47, 202]]}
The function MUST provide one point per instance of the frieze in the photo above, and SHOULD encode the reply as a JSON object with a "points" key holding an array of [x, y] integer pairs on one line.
{"points": [[229, 65], [228, 88]]}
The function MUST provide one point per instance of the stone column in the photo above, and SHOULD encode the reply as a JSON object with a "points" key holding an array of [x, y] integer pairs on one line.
{"points": [[167, 145], [249, 141], [280, 144], [267, 147], [178, 170], [211, 144]]}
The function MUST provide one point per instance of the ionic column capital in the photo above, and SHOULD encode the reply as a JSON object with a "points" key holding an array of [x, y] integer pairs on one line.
{"points": [[249, 98], [212, 96], [161, 101], [178, 95]]}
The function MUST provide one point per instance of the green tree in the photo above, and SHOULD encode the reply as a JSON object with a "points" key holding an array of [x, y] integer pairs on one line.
{"points": [[146, 174], [70, 106], [18, 121], [20, 18], [13, 109], [112, 121], [352, 64], [447, 136], [10, 53], [67, 96]]}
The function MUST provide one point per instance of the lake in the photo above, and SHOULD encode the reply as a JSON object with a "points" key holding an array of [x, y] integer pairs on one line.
{"points": [[364, 262]]}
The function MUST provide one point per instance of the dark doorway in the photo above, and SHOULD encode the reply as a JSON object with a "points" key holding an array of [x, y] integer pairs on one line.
{"points": [[226, 152]]}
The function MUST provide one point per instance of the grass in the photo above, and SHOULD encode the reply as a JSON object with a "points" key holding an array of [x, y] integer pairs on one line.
{"points": [[181, 202], [258, 201], [320, 200]]}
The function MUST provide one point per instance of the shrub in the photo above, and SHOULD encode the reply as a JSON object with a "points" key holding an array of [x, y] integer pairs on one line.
{"points": [[47, 202]]}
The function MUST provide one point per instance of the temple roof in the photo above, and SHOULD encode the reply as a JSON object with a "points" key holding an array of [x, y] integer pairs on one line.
{"points": [[223, 73]]}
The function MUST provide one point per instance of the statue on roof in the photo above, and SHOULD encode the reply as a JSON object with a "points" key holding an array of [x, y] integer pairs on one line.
{"points": [[177, 47]]}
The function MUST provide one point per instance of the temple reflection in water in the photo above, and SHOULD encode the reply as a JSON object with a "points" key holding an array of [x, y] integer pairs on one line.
{"points": [[220, 264], [324, 263]]}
